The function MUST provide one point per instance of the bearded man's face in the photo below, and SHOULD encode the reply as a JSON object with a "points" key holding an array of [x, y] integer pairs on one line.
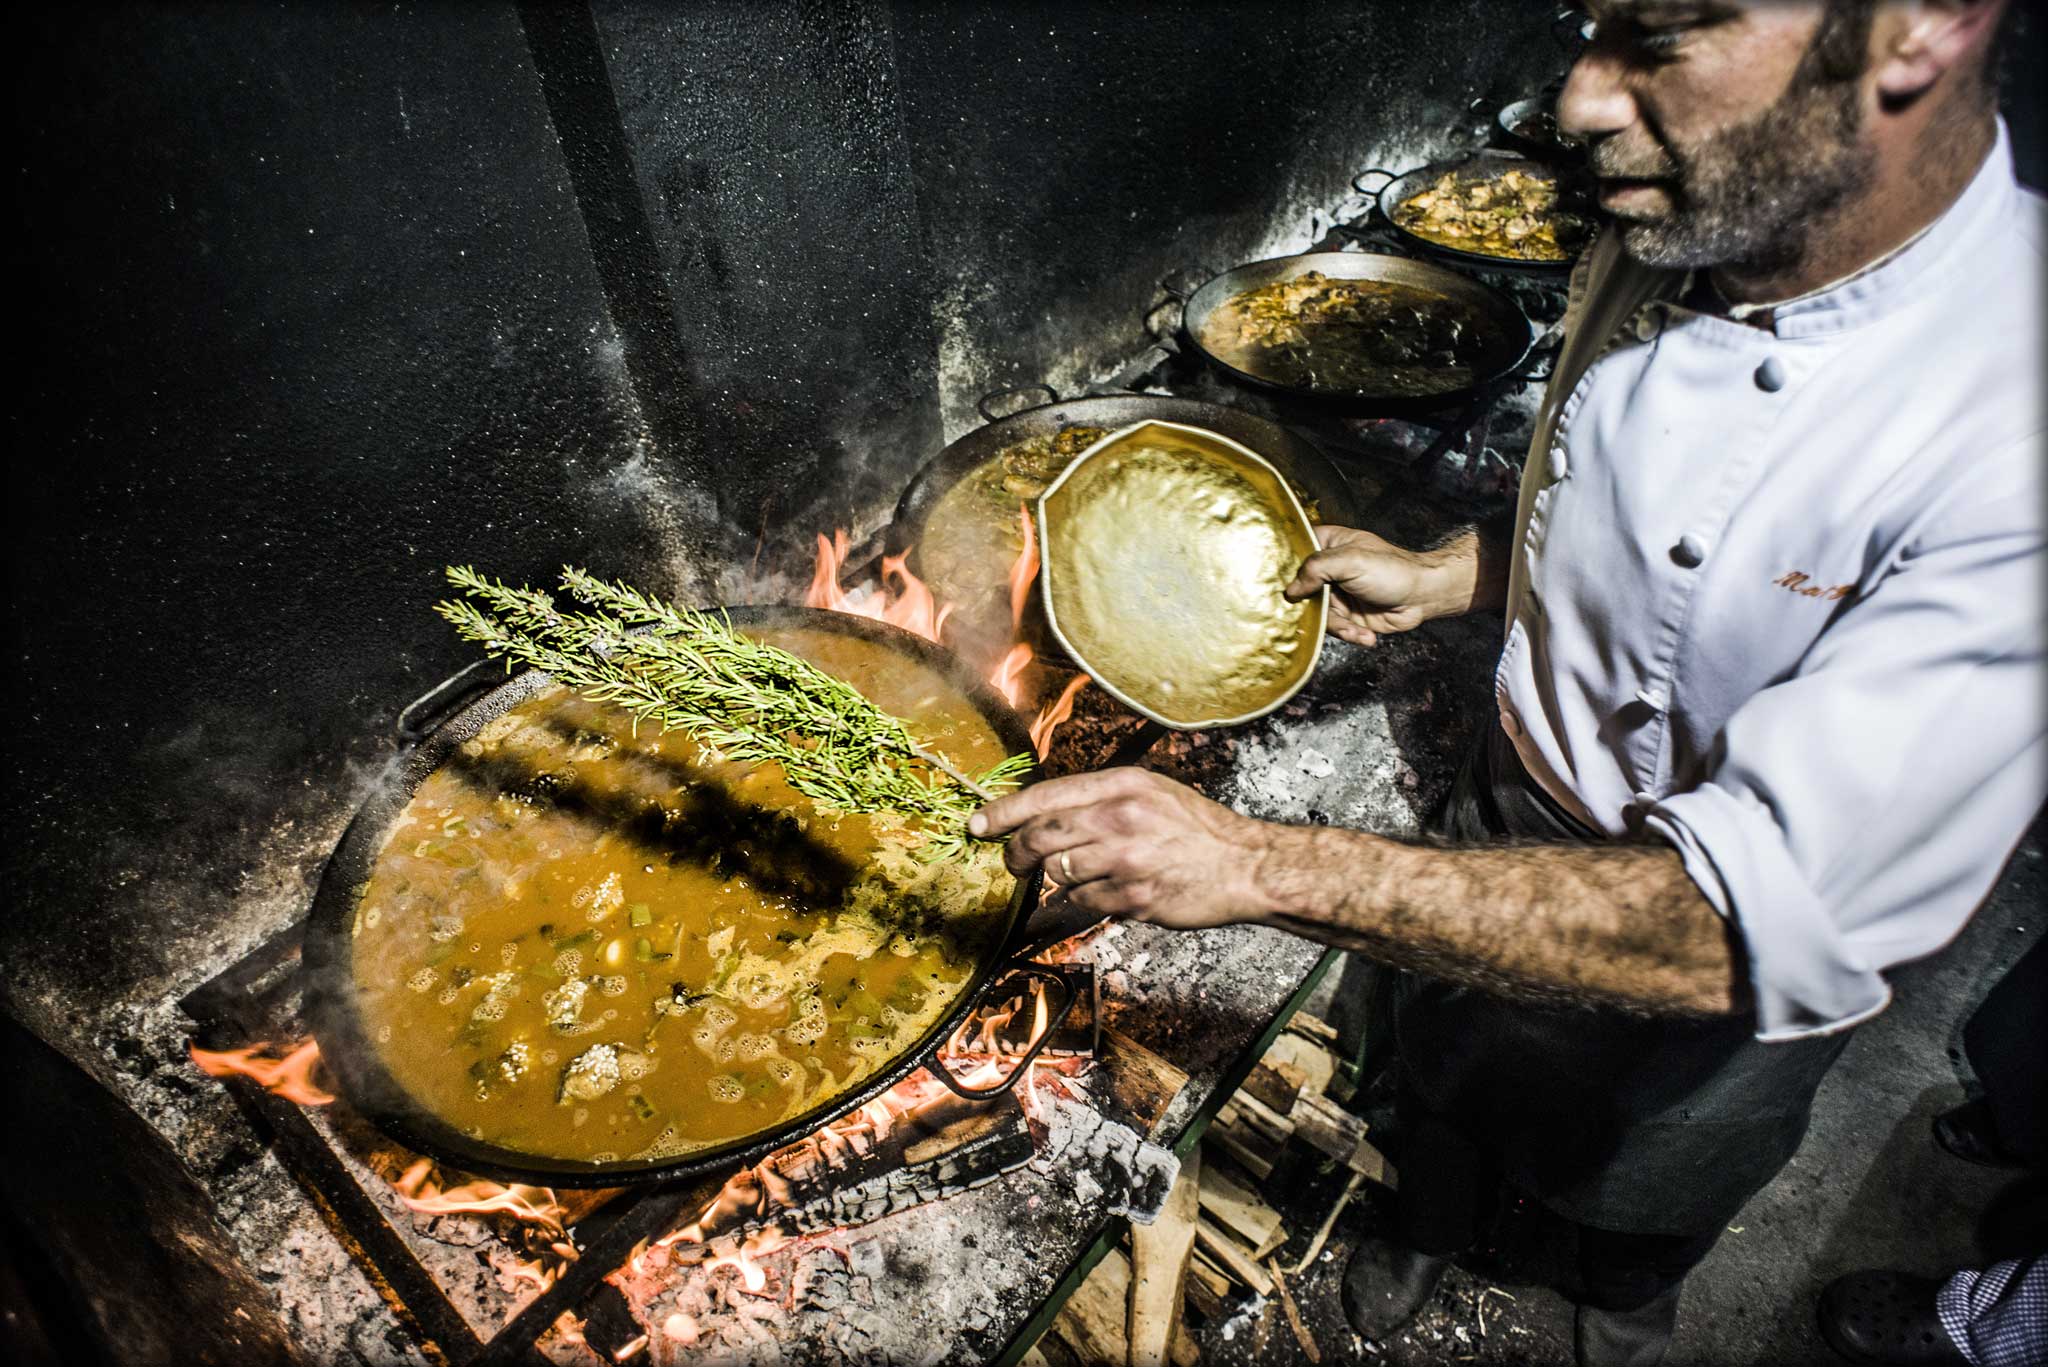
{"points": [[1721, 133]]}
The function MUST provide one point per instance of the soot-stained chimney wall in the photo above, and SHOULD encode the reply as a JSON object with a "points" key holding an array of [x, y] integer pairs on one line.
{"points": [[325, 298]]}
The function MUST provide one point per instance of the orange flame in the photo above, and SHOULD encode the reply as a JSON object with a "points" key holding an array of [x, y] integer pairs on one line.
{"points": [[908, 602], [529, 1205], [291, 1077], [1025, 569], [1050, 718], [533, 1205]]}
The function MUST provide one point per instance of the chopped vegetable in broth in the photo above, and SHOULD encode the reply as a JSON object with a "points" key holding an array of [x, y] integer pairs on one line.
{"points": [[586, 944]]}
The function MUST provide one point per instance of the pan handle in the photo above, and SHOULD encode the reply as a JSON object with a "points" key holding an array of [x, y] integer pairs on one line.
{"points": [[418, 718], [1023, 1065], [1055, 919], [983, 404], [1180, 286], [1374, 192]]}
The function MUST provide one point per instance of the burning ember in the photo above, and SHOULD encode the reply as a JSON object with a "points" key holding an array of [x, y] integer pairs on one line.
{"points": [[291, 1077], [906, 601]]}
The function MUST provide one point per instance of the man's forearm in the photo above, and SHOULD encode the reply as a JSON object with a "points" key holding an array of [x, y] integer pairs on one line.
{"points": [[1617, 925], [1467, 571]]}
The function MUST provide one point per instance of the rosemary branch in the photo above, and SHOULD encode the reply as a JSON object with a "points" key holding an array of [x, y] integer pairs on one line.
{"points": [[691, 671]]}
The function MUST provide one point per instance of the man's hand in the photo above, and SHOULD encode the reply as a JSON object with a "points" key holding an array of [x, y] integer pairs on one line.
{"points": [[1557, 925], [1129, 842], [1381, 588]]}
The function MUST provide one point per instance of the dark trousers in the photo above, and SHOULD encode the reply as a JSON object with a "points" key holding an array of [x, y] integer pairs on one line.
{"points": [[1449, 1193], [1647, 1135], [2006, 1042]]}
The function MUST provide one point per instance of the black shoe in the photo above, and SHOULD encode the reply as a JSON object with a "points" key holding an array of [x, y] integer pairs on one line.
{"points": [[1386, 1284], [1885, 1317], [1969, 1133], [1625, 1338]]}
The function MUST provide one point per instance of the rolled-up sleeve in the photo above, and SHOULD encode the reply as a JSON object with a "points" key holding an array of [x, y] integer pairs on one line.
{"points": [[1857, 812]]}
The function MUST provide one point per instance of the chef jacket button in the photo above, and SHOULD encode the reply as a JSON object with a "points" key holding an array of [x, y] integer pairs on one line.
{"points": [[1560, 464], [1690, 551], [1652, 698], [1770, 376], [1511, 723], [1646, 325], [1645, 801]]}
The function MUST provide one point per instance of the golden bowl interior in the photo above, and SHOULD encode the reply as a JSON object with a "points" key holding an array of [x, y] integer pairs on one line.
{"points": [[1165, 550]]}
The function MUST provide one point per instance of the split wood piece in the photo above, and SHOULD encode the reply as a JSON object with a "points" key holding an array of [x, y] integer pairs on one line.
{"points": [[1239, 1144], [1206, 1288], [1256, 1113], [1254, 1126], [1293, 1313], [1141, 1084], [1293, 1055], [1182, 1352], [1202, 1269], [1234, 1258], [1092, 1320], [1271, 1243], [1274, 1088], [1315, 1027], [1237, 1208], [1254, 1133], [1329, 1128], [1159, 1261]]}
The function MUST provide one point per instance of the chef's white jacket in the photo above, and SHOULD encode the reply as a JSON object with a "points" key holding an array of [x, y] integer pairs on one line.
{"points": [[1778, 594]]}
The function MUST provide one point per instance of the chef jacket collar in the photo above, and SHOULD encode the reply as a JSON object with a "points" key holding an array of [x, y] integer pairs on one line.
{"points": [[1906, 274]]}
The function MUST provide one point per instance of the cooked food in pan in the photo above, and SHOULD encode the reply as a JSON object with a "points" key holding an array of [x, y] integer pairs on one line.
{"points": [[585, 943], [1515, 215], [1030, 465], [973, 535], [1373, 337]]}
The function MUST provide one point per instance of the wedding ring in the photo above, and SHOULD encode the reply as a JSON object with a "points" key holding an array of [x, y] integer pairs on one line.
{"points": [[1066, 870]]}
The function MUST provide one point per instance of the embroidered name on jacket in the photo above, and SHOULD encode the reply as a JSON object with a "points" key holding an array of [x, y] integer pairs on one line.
{"points": [[1803, 585]]}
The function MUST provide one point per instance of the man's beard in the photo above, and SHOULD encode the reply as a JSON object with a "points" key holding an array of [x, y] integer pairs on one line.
{"points": [[1755, 193]]}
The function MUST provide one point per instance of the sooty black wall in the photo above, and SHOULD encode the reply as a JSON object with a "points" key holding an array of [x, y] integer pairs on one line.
{"points": [[311, 312], [321, 298]]}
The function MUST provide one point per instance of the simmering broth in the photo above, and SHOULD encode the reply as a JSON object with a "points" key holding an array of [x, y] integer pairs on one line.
{"points": [[586, 944]]}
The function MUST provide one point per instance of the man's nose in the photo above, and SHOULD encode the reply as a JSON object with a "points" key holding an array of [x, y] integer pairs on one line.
{"points": [[1595, 100]]}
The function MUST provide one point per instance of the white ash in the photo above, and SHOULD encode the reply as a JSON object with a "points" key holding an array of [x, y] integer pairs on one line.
{"points": [[1109, 1165], [1334, 763]]}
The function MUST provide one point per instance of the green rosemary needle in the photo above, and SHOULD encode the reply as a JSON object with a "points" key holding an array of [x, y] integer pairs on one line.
{"points": [[692, 671]]}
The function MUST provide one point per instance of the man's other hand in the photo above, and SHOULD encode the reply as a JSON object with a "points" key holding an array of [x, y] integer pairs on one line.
{"points": [[1381, 588], [1129, 842]]}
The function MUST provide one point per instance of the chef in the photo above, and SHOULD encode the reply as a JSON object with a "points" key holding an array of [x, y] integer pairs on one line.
{"points": [[1771, 702]]}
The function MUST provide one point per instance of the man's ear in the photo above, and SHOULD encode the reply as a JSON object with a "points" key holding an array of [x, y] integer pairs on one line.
{"points": [[1919, 41]]}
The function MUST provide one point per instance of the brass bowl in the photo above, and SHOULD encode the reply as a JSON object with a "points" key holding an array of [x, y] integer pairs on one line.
{"points": [[1165, 550]]}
